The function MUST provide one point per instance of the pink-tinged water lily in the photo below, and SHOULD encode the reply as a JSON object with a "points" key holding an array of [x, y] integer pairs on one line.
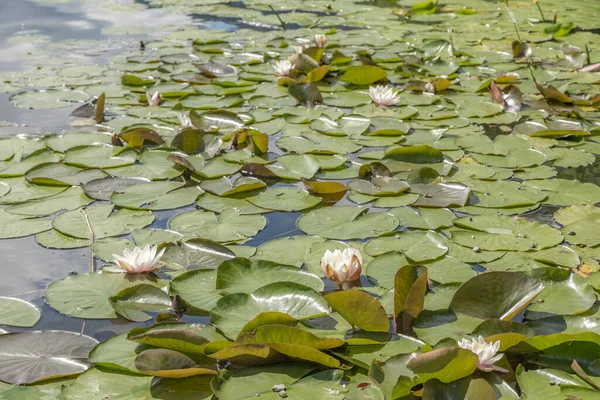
{"points": [[140, 260], [283, 67], [320, 40], [485, 351], [383, 96], [342, 266], [153, 100]]}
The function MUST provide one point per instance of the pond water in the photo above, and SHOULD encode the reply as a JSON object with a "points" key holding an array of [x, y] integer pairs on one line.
{"points": [[477, 174]]}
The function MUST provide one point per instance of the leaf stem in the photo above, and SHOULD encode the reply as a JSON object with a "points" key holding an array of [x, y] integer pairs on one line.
{"points": [[278, 17], [537, 3], [89, 226]]}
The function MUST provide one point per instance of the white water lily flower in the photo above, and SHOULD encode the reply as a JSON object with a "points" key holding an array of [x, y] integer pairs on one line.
{"points": [[153, 100], [140, 260], [320, 40], [283, 67], [383, 96], [185, 121], [485, 351], [342, 266]]}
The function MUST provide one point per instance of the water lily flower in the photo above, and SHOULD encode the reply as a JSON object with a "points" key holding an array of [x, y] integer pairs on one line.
{"points": [[185, 121], [299, 49], [283, 67], [320, 40], [342, 266], [383, 96], [485, 351], [140, 260], [153, 100]]}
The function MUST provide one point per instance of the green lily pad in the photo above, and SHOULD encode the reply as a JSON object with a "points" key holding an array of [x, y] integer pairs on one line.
{"points": [[285, 199], [346, 222], [417, 246], [232, 312], [87, 295], [363, 75], [240, 275], [37, 355], [501, 295], [17, 312], [156, 196], [197, 289], [47, 99], [229, 226], [104, 223]]}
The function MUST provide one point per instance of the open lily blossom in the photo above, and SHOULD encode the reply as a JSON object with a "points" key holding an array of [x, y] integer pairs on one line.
{"points": [[383, 96], [283, 67], [185, 121], [342, 266], [140, 260], [153, 100], [320, 40], [485, 351]]}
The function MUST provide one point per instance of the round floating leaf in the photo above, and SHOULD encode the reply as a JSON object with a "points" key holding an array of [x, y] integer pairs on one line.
{"points": [[359, 309], [564, 192], [441, 194], [224, 187], [417, 246], [379, 186], [47, 99], [17, 312], [234, 311], [307, 94], [14, 225], [28, 357], [131, 302], [564, 294], [194, 141], [421, 154], [99, 157], [363, 75], [116, 353], [107, 384], [197, 253], [285, 199], [240, 275], [297, 249], [70, 199], [102, 189], [62, 175], [197, 289], [505, 233], [229, 226], [169, 364], [215, 120], [446, 364], [103, 221], [294, 166], [218, 204], [424, 218], [87, 295], [346, 222], [248, 382], [501, 295], [156, 196]]}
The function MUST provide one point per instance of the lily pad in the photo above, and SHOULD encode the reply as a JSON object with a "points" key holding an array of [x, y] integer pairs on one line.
{"points": [[32, 356], [234, 311], [285, 199], [17, 312], [346, 222]]}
